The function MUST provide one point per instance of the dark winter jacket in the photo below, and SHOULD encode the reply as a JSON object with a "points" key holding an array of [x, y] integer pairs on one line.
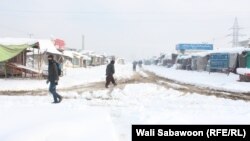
{"points": [[52, 71], [110, 70]]}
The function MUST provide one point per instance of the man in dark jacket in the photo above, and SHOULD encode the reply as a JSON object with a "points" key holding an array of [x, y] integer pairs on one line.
{"points": [[53, 79], [134, 65], [110, 70]]}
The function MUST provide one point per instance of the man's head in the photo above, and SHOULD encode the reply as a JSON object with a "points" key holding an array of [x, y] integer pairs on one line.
{"points": [[50, 57], [112, 62]]}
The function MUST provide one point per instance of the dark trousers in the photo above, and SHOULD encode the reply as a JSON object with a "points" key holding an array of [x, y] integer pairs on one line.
{"points": [[52, 89], [110, 78], [134, 68]]}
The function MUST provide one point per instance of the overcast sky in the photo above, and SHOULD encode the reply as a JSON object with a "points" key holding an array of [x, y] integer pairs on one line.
{"points": [[128, 28]]}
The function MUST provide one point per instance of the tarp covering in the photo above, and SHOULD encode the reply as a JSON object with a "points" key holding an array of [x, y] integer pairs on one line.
{"points": [[11, 47], [202, 63], [242, 61], [232, 60], [9, 51]]}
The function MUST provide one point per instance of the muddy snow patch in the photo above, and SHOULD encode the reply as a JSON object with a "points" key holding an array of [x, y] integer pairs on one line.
{"points": [[173, 85], [143, 74]]}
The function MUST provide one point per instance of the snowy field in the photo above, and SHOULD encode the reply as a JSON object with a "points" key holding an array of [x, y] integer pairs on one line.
{"points": [[108, 114]]}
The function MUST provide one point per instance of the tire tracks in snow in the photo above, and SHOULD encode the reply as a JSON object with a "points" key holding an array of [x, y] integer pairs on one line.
{"points": [[141, 76], [189, 88]]}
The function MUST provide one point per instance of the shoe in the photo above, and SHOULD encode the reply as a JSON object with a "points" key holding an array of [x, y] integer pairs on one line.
{"points": [[106, 86], [115, 84], [60, 99], [55, 102]]}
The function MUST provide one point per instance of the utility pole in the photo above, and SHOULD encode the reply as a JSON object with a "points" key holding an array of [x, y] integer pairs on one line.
{"points": [[82, 42], [235, 34], [30, 35], [33, 56]]}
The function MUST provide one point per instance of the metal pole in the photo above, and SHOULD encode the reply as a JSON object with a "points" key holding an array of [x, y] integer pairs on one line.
{"points": [[82, 42]]}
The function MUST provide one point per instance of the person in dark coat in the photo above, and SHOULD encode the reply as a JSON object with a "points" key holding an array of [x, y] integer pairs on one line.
{"points": [[140, 63], [134, 65], [53, 79], [110, 70]]}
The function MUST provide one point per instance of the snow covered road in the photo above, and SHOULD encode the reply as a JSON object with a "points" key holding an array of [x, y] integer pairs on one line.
{"points": [[111, 114], [142, 76], [91, 112]]}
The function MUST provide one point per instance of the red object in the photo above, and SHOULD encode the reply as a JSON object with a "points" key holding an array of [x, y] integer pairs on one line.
{"points": [[60, 44]]}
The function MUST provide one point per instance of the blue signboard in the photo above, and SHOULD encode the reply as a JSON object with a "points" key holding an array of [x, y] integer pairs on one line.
{"points": [[194, 47], [219, 61]]}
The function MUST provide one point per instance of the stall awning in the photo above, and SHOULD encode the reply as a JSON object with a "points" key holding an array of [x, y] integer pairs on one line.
{"points": [[10, 51], [11, 47]]}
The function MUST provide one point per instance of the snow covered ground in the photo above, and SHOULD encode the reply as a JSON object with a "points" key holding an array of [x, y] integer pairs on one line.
{"points": [[108, 114], [105, 115], [82, 76], [218, 81], [73, 77]]}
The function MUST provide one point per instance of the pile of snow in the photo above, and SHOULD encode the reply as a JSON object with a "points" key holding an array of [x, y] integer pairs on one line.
{"points": [[243, 71]]}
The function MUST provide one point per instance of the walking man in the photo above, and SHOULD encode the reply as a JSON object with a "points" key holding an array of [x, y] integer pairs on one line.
{"points": [[134, 65], [53, 78], [110, 70], [140, 63]]}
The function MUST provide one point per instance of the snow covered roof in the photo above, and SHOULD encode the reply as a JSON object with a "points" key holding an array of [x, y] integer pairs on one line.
{"points": [[96, 55], [68, 53], [86, 52], [73, 54], [231, 50], [92, 53], [184, 56], [222, 50], [120, 58], [79, 55], [46, 45], [201, 54], [167, 56], [17, 41], [85, 57]]}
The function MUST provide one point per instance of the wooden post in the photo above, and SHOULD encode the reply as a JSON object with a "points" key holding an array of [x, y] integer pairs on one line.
{"points": [[24, 61], [5, 70]]}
